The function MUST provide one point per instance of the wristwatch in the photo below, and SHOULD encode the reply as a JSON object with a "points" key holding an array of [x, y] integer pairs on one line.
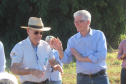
{"points": [[52, 69]]}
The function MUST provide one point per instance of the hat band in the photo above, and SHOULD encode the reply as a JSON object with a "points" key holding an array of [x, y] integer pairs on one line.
{"points": [[38, 27]]}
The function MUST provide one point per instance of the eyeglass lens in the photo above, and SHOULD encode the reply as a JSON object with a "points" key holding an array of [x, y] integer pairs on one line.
{"points": [[36, 33], [78, 22]]}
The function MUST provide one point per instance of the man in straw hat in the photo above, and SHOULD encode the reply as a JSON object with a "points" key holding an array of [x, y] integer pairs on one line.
{"points": [[32, 56]]}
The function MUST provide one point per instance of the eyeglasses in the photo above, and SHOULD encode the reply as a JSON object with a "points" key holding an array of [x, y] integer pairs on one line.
{"points": [[36, 32], [79, 22]]}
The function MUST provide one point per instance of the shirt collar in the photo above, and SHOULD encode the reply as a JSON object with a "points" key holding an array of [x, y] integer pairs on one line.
{"points": [[79, 35], [28, 39], [90, 33]]}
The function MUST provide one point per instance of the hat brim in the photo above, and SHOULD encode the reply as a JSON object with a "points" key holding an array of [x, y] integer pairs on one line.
{"points": [[42, 29]]}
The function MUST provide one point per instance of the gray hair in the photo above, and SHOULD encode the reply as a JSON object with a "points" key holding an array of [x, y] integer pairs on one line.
{"points": [[6, 81], [84, 14]]}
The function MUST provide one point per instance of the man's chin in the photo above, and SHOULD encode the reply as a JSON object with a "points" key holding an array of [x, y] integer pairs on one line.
{"points": [[78, 30]]}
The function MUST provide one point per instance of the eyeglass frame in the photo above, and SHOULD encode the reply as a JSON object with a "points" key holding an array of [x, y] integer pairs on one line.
{"points": [[79, 22], [36, 32]]}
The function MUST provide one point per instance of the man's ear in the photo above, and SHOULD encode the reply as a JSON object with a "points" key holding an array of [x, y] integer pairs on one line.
{"points": [[27, 30], [88, 21]]}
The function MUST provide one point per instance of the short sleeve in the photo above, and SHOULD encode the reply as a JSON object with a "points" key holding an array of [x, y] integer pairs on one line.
{"points": [[16, 54]]}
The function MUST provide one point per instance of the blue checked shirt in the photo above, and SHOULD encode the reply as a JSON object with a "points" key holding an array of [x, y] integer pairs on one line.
{"points": [[93, 45]]}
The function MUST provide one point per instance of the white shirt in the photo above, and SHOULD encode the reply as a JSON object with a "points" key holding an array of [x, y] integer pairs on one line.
{"points": [[5, 75], [56, 75], [24, 53], [2, 58]]}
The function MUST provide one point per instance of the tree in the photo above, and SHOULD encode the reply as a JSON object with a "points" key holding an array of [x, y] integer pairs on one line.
{"points": [[107, 16]]}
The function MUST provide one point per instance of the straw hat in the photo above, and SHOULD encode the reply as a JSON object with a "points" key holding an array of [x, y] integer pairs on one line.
{"points": [[36, 23]]}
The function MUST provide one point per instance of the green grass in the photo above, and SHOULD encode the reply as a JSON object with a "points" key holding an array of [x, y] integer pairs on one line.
{"points": [[69, 76], [114, 67]]}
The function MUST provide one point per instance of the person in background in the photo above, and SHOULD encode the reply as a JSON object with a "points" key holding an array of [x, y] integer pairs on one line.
{"points": [[89, 48], [7, 78], [55, 77], [122, 56], [6, 81], [2, 58], [32, 56]]}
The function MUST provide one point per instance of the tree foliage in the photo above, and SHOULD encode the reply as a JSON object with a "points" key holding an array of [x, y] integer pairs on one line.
{"points": [[107, 16]]}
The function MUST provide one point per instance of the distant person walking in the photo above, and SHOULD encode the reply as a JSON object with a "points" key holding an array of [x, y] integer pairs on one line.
{"points": [[122, 56], [7, 78]]}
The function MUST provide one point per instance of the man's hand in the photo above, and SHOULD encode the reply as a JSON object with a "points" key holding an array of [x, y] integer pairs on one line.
{"points": [[37, 73], [18, 70], [55, 65], [76, 54], [56, 43], [58, 68], [79, 57], [123, 56]]}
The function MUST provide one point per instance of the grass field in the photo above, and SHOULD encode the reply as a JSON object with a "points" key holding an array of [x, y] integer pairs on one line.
{"points": [[69, 76], [114, 67]]}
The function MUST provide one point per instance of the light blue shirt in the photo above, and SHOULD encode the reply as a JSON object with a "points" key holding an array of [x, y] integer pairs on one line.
{"points": [[93, 45], [56, 75]]}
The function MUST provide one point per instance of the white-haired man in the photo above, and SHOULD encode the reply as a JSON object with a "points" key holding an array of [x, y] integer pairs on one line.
{"points": [[89, 48], [31, 57]]}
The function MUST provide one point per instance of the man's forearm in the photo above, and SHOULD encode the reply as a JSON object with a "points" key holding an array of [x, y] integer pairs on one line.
{"points": [[122, 57], [16, 69], [53, 62], [55, 65], [61, 53], [85, 59]]}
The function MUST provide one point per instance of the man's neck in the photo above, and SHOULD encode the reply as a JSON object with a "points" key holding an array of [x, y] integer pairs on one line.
{"points": [[84, 33], [34, 45]]}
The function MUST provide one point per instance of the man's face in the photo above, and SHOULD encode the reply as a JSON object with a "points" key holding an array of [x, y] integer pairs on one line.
{"points": [[80, 24], [34, 35]]}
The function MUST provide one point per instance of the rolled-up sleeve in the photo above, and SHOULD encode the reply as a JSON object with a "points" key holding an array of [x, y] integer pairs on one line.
{"points": [[101, 52], [68, 57]]}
